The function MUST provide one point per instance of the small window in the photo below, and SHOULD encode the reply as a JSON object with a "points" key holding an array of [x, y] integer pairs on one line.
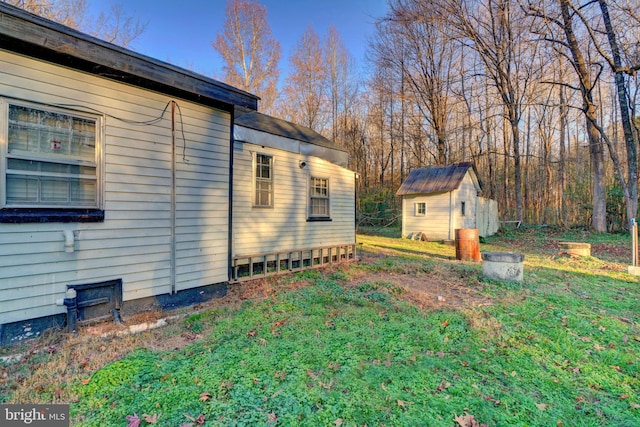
{"points": [[319, 199], [49, 160], [263, 181], [463, 208], [420, 209]]}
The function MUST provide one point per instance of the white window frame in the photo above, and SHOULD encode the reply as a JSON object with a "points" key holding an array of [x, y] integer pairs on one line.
{"points": [[416, 209], [259, 180], [314, 196], [51, 158]]}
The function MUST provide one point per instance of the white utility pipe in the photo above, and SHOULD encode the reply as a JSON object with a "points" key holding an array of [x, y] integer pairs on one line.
{"points": [[69, 240]]}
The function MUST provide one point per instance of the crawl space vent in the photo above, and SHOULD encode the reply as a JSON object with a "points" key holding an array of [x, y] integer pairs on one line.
{"points": [[98, 301]]}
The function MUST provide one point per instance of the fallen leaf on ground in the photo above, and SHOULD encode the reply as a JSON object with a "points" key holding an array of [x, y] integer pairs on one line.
{"points": [[542, 406], [134, 421], [205, 396], [442, 386], [466, 420], [272, 418], [151, 419]]}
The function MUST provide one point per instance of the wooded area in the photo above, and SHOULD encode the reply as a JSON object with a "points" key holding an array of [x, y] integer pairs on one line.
{"points": [[541, 95]]}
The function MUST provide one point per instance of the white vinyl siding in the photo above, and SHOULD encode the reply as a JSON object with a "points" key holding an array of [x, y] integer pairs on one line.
{"points": [[135, 240], [468, 194], [435, 224], [286, 226]]}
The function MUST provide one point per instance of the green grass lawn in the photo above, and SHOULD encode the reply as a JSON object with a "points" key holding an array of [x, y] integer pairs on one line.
{"points": [[560, 349]]}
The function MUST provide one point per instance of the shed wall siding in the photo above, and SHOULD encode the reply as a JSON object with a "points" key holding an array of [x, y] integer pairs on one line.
{"points": [[467, 193], [285, 227], [435, 224], [134, 241]]}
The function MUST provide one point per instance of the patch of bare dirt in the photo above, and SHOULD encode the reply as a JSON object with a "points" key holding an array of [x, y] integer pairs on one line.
{"points": [[426, 290], [616, 253]]}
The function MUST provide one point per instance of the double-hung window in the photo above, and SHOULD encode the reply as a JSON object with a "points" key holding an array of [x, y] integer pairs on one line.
{"points": [[263, 181], [50, 162], [420, 209], [319, 199]]}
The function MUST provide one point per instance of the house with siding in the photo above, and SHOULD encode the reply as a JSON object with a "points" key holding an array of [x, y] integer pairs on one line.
{"points": [[293, 201], [437, 200], [119, 176]]}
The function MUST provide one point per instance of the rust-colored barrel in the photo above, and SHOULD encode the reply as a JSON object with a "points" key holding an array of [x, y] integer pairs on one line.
{"points": [[467, 244]]}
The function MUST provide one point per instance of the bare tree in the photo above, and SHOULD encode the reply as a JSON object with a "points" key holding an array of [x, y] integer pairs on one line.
{"points": [[249, 51], [71, 13], [412, 40], [614, 59], [341, 87], [570, 47], [305, 100], [115, 26], [497, 30]]}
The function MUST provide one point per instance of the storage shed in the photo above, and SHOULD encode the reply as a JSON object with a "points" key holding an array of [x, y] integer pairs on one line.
{"points": [[437, 200], [117, 179]]}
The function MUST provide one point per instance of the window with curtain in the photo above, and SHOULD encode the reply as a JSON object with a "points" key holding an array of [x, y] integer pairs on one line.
{"points": [[50, 158]]}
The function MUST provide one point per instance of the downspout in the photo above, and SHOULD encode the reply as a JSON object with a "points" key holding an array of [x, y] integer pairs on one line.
{"points": [[230, 215], [173, 197]]}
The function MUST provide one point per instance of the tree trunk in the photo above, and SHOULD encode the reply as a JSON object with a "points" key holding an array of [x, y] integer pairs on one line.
{"points": [[630, 140], [517, 166], [561, 169], [596, 151]]}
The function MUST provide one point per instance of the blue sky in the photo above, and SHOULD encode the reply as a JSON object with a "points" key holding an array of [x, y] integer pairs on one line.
{"points": [[181, 31]]}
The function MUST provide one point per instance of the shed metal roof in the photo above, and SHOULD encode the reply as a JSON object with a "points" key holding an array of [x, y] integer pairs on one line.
{"points": [[437, 179]]}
